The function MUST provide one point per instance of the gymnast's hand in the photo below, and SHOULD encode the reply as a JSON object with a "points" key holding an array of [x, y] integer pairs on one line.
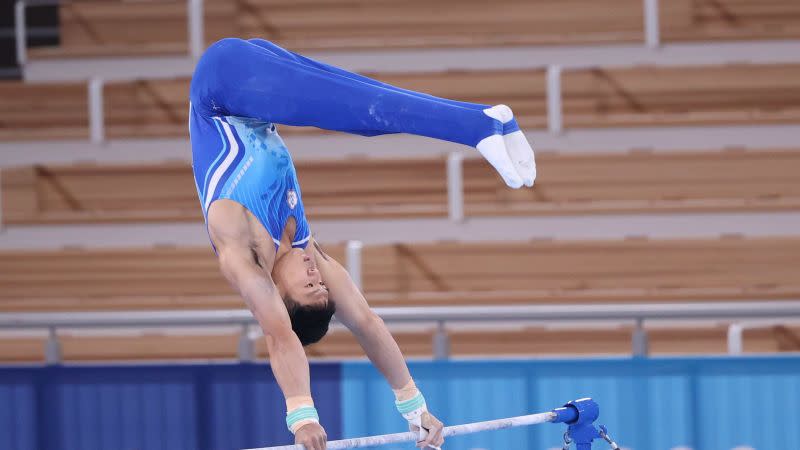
{"points": [[312, 436], [433, 427]]}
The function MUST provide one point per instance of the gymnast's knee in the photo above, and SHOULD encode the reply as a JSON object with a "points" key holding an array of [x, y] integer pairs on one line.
{"points": [[225, 50]]}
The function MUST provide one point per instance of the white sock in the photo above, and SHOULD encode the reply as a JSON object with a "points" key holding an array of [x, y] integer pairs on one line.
{"points": [[521, 154], [519, 150], [493, 148]]}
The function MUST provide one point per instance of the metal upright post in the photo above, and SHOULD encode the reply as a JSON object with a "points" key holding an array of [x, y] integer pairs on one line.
{"points": [[246, 350], [455, 186], [20, 32], [441, 342], [652, 27], [52, 349], [639, 340], [1, 200], [353, 261], [96, 113], [196, 28], [555, 119]]}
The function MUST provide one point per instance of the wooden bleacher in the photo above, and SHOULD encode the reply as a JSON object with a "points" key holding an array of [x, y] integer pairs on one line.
{"points": [[117, 28], [522, 341], [42, 112], [706, 20], [630, 97], [632, 270], [657, 96], [636, 182]]}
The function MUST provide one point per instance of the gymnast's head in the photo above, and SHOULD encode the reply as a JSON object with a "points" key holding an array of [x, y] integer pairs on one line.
{"points": [[304, 294]]}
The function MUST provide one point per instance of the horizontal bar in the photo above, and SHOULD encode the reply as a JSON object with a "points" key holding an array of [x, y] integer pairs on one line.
{"points": [[756, 309], [532, 419]]}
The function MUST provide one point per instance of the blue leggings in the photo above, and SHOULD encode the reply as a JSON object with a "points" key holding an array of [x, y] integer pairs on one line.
{"points": [[261, 80]]}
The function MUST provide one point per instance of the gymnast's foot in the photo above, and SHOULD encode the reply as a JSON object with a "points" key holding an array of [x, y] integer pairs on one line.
{"points": [[510, 154]]}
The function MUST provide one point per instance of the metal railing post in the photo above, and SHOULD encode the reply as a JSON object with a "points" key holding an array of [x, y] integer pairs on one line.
{"points": [[441, 342], [639, 340], [735, 339], [195, 14], [455, 186], [353, 261], [1, 200], [52, 349], [555, 119], [20, 32], [96, 113], [652, 27], [246, 349]]}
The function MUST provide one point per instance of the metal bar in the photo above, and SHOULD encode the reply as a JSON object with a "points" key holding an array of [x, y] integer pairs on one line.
{"points": [[652, 28], [555, 118], [578, 312], [20, 32], [455, 430], [353, 261], [196, 39], [96, 113], [455, 186]]}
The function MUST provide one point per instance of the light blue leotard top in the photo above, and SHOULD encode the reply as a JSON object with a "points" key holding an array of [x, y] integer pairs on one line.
{"points": [[245, 160]]}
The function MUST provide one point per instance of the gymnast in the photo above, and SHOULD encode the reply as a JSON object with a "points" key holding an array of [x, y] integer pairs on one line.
{"points": [[253, 208]]}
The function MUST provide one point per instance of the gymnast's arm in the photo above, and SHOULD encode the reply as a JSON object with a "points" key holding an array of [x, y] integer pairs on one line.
{"points": [[370, 331], [287, 357], [354, 312]]}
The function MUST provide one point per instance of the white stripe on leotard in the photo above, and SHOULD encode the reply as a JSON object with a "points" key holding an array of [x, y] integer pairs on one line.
{"points": [[234, 150]]}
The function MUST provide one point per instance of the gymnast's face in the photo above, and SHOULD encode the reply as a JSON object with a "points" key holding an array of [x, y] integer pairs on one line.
{"points": [[297, 275]]}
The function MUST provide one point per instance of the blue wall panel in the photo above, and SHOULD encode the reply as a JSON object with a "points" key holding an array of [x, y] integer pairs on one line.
{"points": [[176, 407], [17, 413], [648, 404]]}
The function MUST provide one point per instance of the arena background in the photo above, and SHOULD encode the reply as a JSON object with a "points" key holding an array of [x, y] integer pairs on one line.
{"points": [[655, 266]]}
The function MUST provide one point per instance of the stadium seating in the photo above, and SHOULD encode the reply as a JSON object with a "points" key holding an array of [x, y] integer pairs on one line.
{"points": [[122, 28], [492, 341], [114, 28], [706, 20], [598, 97], [638, 182], [630, 270], [43, 112], [634, 270]]}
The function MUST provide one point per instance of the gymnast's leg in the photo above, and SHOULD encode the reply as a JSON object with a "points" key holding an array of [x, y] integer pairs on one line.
{"points": [[515, 141], [242, 78]]}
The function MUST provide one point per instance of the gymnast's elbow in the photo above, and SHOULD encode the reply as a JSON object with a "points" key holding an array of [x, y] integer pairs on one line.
{"points": [[366, 323]]}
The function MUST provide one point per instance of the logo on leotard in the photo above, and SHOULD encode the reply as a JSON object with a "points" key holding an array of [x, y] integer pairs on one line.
{"points": [[291, 198]]}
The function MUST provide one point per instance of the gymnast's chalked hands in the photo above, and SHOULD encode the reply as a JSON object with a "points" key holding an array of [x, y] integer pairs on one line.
{"points": [[312, 436], [433, 427]]}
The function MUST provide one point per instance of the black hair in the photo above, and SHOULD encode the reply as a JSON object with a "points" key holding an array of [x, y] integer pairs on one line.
{"points": [[309, 322]]}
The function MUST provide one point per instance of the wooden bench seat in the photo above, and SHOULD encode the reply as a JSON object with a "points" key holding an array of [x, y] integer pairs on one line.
{"points": [[592, 98], [495, 341], [636, 182], [699, 20], [119, 28], [632, 270]]}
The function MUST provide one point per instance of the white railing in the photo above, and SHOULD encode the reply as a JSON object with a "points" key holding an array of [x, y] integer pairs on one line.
{"points": [[196, 28], [440, 315]]}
